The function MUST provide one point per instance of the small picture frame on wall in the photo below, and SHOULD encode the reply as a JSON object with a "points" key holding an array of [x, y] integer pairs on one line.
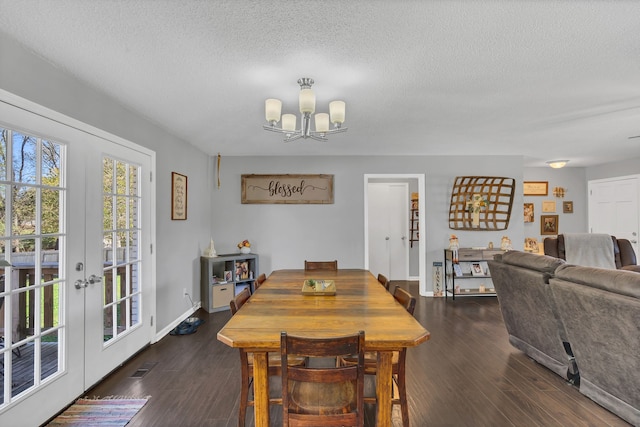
{"points": [[531, 245], [528, 212], [548, 224], [178, 196], [536, 188], [567, 207], [549, 206]]}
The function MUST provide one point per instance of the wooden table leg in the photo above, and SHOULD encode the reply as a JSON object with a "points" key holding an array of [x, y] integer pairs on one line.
{"points": [[261, 389], [383, 388]]}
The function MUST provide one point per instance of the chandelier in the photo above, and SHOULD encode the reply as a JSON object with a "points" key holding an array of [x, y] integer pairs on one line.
{"points": [[307, 102]]}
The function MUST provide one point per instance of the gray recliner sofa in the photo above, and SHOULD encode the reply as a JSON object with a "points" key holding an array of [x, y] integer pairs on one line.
{"points": [[601, 315], [530, 314]]}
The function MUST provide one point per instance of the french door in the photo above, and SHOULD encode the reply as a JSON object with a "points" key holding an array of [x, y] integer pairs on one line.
{"points": [[99, 293]]}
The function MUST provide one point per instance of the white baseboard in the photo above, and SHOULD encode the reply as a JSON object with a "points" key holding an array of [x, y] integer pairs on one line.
{"points": [[164, 332]]}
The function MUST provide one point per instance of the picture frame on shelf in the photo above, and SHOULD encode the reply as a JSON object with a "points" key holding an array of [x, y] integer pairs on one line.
{"points": [[567, 207], [548, 224], [476, 269], [536, 188], [228, 276], [457, 270]]}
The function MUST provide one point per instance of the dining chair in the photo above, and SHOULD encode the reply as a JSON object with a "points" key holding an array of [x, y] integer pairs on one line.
{"points": [[384, 281], [259, 281], [317, 394], [246, 364], [398, 361], [321, 265]]}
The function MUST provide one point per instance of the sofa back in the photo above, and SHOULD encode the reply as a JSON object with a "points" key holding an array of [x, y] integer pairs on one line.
{"points": [[623, 252], [521, 281], [601, 315]]}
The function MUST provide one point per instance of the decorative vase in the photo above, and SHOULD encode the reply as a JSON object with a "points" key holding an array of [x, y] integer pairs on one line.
{"points": [[245, 250]]}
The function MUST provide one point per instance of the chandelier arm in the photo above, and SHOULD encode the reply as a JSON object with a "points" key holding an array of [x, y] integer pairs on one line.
{"points": [[329, 132], [293, 137]]}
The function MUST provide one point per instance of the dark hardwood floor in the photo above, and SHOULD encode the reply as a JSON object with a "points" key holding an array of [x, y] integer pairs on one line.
{"points": [[467, 374]]}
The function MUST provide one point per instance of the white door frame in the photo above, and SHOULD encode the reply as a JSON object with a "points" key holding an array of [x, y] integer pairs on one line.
{"points": [[422, 262]]}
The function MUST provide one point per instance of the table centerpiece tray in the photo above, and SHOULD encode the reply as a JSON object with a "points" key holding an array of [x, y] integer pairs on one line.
{"points": [[319, 287]]}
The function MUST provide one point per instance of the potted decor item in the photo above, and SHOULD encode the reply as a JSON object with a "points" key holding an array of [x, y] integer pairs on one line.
{"points": [[245, 247]]}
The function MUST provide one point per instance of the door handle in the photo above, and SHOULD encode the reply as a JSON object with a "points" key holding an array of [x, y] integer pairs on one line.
{"points": [[404, 237], [81, 283], [634, 241], [386, 238], [94, 279]]}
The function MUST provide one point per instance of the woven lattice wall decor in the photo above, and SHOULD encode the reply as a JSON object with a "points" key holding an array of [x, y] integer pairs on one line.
{"points": [[495, 193]]}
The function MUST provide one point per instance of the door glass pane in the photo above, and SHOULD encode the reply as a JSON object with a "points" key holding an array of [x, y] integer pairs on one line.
{"points": [[121, 205], [24, 158], [32, 237]]}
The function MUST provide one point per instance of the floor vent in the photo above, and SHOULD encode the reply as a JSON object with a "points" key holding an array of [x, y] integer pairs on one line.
{"points": [[143, 370]]}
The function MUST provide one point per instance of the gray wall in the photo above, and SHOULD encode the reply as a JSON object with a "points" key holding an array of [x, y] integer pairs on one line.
{"points": [[574, 182], [179, 243], [611, 170], [285, 235]]}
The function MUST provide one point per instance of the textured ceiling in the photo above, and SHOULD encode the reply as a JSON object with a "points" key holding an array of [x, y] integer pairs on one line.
{"points": [[542, 79]]}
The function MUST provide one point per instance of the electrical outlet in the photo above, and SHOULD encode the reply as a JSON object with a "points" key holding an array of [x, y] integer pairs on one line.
{"points": [[184, 292]]}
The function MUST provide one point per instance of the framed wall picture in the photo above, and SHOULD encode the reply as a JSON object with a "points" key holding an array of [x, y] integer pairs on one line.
{"points": [[178, 196], [548, 224], [567, 207], [549, 206], [528, 212], [531, 245], [536, 188], [287, 189]]}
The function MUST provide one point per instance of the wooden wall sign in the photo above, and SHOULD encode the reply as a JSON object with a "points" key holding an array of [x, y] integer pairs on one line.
{"points": [[287, 189]]}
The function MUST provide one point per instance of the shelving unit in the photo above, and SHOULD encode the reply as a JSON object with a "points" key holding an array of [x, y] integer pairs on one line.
{"points": [[472, 272], [224, 276], [414, 229]]}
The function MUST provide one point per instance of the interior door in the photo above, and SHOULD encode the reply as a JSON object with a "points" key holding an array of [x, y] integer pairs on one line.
{"points": [[388, 229], [613, 208]]}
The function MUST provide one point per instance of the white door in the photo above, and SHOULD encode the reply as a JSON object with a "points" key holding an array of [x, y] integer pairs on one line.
{"points": [[117, 254], [71, 351], [388, 207], [613, 208]]}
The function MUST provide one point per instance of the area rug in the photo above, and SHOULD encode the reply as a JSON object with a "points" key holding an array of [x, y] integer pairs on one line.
{"points": [[108, 411]]}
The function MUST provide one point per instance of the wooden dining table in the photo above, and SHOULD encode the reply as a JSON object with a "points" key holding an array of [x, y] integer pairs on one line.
{"points": [[359, 303]]}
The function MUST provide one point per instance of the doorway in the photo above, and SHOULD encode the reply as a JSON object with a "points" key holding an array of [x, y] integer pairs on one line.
{"points": [[87, 292], [413, 181]]}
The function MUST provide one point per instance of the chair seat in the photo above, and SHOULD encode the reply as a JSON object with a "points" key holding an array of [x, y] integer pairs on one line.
{"points": [[276, 360], [322, 398], [370, 361]]}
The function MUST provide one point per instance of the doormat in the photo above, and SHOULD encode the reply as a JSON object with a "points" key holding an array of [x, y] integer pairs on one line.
{"points": [[108, 411]]}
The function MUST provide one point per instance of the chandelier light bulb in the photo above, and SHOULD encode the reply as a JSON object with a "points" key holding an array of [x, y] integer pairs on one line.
{"points": [[307, 101], [289, 122], [272, 109], [322, 122], [337, 110]]}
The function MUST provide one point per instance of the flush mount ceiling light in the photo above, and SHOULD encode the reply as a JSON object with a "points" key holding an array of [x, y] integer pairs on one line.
{"points": [[307, 102], [557, 164]]}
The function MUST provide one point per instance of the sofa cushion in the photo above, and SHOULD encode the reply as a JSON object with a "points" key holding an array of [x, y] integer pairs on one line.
{"points": [[622, 282], [542, 263]]}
